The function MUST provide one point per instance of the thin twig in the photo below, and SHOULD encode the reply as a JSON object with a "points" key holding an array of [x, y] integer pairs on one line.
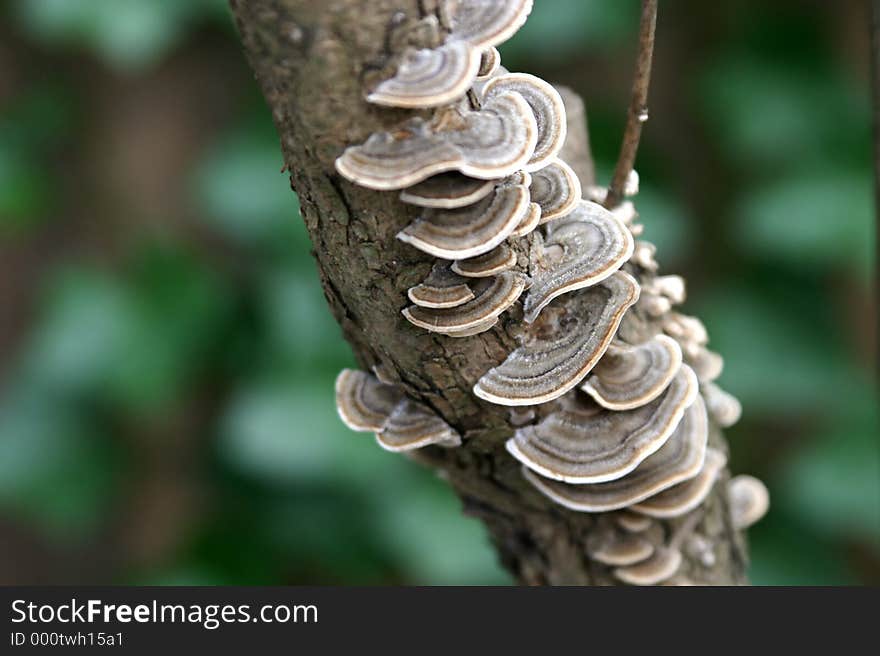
{"points": [[638, 107]]}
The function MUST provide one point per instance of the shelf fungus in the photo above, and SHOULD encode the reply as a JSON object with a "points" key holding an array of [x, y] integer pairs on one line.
{"points": [[632, 522], [430, 77], [684, 497], [492, 297], [724, 409], [490, 60], [441, 289], [672, 288], [618, 548], [469, 231], [706, 363], [548, 109], [661, 566], [643, 256], [584, 248], [556, 189], [748, 499], [364, 403], [560, 351], [484, 23], [492, 142], [529, 222], [590, 444], [412, 425], [609, 388], [630, 376], [501, 258], [685, 329], [447, 191], [678, 460], [401, 424]]}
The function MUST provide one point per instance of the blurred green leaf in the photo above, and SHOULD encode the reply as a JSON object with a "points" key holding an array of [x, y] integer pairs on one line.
{"points": [[425, 530], [284, 432], [128, 34], [666, 223], [326, 534], [41, 116], [133, 340], [784, 552], [833, 484], [55, 471], [84, 329], [182, 311], [811, 221], [240, 188], [300, 331], [557, 29], [777, 359], [31, 127], [770, 115], [25, 194]]}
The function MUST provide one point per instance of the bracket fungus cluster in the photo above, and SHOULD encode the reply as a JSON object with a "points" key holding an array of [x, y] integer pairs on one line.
{"points": [[611, 390], [366, 404]]}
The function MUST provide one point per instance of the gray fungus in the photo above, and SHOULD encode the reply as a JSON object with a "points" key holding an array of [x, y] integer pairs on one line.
{"points": [[626, 380]]}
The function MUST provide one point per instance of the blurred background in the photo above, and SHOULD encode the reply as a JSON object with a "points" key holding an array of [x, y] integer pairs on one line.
{"points": [[167, 359]]}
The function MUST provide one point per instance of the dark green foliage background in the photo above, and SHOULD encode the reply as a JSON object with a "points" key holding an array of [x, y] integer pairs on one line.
{"points": [[167, 359]]}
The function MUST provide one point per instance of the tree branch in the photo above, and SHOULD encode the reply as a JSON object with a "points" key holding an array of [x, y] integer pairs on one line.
{"points": [[313, 61], [638, 106]]}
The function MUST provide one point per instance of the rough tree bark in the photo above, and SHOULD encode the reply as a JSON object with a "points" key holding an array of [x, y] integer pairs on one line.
{"points": [[313, 60]]}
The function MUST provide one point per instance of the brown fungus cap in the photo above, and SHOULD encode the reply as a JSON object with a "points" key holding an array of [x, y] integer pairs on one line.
{"points": [[430, 77], [363, 403], [447, 191], [441, 289], [724, 409], [643, 256], [680, 459], [594, 445], [582, 249], [556, 188], [672, 288], [529, 222], [662, 565], [630, 376], [493, 142], [469, 231], [548, 108], [632, 522], [501, 258], [749, 500], [654, 305], [493, 296], [617, 549], [707, 364], [484, 23], [685, 328], [557, 356], [684, 497], [412, 426]]}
